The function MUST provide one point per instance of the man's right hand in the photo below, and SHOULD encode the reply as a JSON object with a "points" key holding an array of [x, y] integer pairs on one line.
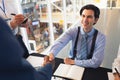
{"points": [[51, 57], [47, 61]]}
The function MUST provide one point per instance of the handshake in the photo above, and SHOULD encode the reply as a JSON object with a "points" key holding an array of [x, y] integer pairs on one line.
{"points": [[47, 61]]}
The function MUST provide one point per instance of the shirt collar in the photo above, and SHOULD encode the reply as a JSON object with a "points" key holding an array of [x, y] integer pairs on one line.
{"points": [[89, 34]]}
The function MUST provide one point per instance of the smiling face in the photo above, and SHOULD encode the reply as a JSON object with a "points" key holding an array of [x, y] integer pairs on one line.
{"points": [[88, 19]]}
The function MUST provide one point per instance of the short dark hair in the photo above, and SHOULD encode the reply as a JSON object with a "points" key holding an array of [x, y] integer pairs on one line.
{"points": [[91, 7]]}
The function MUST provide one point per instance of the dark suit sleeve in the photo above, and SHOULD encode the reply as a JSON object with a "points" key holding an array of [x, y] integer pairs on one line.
{"points": [[25, 53], [12, 64], [45, 72]]}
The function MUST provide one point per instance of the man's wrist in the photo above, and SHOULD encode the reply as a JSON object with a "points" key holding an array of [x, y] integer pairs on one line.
{"points": [[12, 25]]}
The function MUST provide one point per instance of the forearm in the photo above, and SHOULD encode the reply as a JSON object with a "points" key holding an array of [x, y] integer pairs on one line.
{"points": [[88, 63], [94, 62], [59, 44], [14, 30]]}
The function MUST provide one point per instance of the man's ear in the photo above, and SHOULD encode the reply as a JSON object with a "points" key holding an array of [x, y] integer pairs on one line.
{"points": [[96, 19]]}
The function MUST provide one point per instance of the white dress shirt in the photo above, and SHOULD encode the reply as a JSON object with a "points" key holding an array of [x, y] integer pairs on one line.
{"points": [[116, 63], [10, 7]]}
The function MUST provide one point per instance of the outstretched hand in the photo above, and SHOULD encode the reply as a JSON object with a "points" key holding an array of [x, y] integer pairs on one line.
{"points": [[47, 61]]}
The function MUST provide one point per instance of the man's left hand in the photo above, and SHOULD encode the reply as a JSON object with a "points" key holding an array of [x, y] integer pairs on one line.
{"points": [[68, 61]]}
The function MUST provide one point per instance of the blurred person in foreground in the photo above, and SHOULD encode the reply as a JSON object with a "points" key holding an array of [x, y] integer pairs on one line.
{"points": [[13, 66]]}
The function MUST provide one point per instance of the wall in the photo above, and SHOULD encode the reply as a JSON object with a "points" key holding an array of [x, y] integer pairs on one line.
{"points": [[109, 24]]}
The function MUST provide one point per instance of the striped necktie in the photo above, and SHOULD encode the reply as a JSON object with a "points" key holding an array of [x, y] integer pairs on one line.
{"points": [[83, 51]]}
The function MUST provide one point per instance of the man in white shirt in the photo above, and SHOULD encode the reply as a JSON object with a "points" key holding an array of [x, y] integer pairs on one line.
{"points": [[6, 9], [116, 64]]}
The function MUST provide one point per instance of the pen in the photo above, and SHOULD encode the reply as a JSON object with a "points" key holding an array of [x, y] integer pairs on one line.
{"points": [[13, 14], [117, 72]]}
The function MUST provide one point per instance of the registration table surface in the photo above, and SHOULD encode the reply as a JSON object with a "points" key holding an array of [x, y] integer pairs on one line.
{"points": [[89, 73]]}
